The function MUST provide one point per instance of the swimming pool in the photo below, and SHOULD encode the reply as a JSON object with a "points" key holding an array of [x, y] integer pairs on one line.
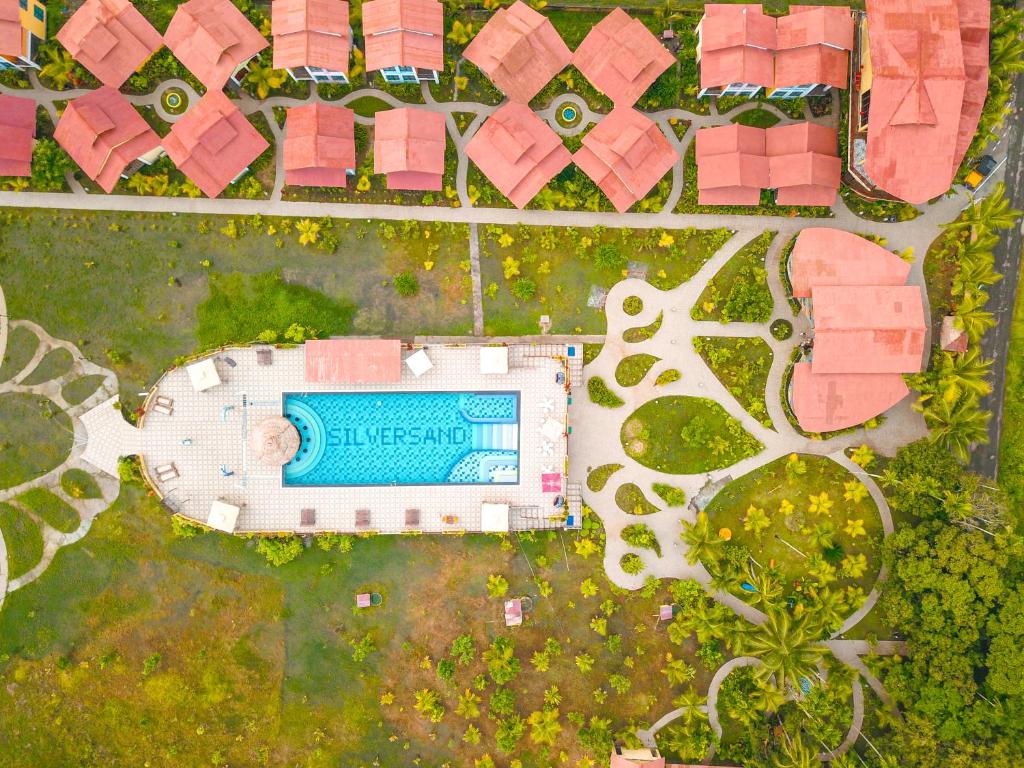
{"points": [[404, 438]]}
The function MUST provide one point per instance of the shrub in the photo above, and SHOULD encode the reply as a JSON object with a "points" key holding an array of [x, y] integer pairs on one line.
{"points": [[633, 305], [428, 704], [446, 670], [502, 703], [341, 541], [600, 394], [502, 664], [279, 550], [463, 650], [510, 730], [643, 536], [184, 529], [608, 256], [362, 648], [674, 497], [524, 289], [631, 563], [497, 585], [49, 165], [406, 284], [782, 329], [667, 377]]}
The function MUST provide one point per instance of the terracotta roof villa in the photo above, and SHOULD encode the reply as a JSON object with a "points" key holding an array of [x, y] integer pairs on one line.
{"points": [[742, 50], [640, 758], [518, 152], [213, 40], [732, 167], [404, 39], [923, 80], [213, 143], [104, 134], [519, 50], [868, 329], [408, 145], [18, 127], [621, 57], [110, 38], [625, 155], [311, 39], [22, 31], [319, 146]]}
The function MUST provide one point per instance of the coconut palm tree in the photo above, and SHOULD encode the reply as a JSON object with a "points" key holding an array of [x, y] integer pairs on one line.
{"points": [[795, 754], [972, 275], [769, 589], [828, 611], [703, 541], [957, 426], [691, 703], [59, 67], [963, 374], [544, 726], [786, 646], [971, 317], [986, 215], [766, 699], [264, 78]]}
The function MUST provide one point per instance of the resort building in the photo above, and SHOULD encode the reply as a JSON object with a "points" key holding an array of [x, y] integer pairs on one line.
{"points": [[106, 136], [404, 39], [732, 165], [213, 144], [312, 39], [920, 84], [22, 31], [18, 127], [626, 154], [621, 58], [319, 146], [520, 50], [110, 38], [640, 758], [359, 436], [214, 41], [741, 50], [518, 152], [868, 329], [409, 145]]}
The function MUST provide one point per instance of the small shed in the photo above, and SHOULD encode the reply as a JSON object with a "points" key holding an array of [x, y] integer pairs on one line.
{"points": [[494, 518], [494, 360], [951, 338], [223, 516], [513, 612], [203, 375]]}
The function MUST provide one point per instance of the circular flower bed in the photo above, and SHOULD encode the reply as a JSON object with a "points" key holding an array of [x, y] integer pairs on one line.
{"points": [[782, 329], [632, 305], [568, 115], [175, 101]]}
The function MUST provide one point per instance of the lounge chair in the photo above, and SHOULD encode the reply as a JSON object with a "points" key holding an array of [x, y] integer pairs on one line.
{"points": [[161, 408], [164, 400], [362, 518], [166, 472], [307, 518]]}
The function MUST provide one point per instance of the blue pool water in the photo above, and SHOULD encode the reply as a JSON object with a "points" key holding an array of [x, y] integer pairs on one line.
{"points": [[404, 438]]}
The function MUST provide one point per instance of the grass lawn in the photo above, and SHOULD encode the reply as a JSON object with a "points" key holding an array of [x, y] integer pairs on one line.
{"points": [[684, 435], [631, 370], [598, 477], [54, 364], [757, 117], [152, 271], [132, 626], [21, 345], [79, 484], [35, 437], [368, 106], [77, 390], [632, 501], [742, 365], [23, 540], [806, 526], [643, 332], [739, 292], [940, 268], [53, 510], [562, 265]]}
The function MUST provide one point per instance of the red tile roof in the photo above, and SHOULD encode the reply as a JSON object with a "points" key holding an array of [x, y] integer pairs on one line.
{"points": [[621, 57], [736, 44], [802, 163], [311, 33], [519, 50], [319, 146], [405, 33], [103, 133], [625, 155], [12, 36], [731, 165], [18, 127], [812, 64], [354, 361], [110, 38], [830, 25], [213, 143], [867, 329], [212, 39], [518, 152], [828, 402], [408, 145], [924, 106], [823, 256], [951, 338]]}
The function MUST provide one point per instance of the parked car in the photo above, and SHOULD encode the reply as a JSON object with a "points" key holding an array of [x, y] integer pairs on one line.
{"points": [[981, 171]]}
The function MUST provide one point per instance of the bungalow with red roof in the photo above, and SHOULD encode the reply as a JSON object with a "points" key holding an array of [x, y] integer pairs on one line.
{"points": [[732, 166], [621, 58], [18, 127], [868, 329], [214, 41], [311, 39], [803, 165], [213, 144], [408, 145], [625, 155], [106, 136], [110, 38], [518, 152], [22, 31], [319, 146], [812, 53], [921, 86], [641, 758], [404, 39], [519, 50], [735, 45]]}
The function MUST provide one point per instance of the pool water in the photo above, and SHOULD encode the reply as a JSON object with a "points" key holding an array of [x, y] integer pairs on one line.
{"points": [[404, 438]]}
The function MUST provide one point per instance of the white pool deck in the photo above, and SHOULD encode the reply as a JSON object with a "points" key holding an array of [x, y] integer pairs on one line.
{"points": [[208, 430]]}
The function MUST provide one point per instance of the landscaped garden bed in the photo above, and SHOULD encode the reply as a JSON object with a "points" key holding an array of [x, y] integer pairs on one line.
{"points": [[739, 292], [631, 370], [742, 365]]}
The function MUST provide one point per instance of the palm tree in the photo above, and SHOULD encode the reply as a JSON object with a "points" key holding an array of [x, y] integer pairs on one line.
{"points": [[973, 275], [691, 703], [666, 14], [957, 426], [829, 610], [138, 183], [786, 647], [264, 78], [795, 754], [963, 374], [768, 587], [544, 726], [986, 215], [971, 317], [703, 541], [766, 699], [58, 68]]}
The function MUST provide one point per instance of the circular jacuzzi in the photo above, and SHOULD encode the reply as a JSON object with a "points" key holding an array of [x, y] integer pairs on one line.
{"points": [[312, 434]]}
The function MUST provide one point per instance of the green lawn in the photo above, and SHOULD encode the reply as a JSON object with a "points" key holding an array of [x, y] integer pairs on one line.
{"points": [[739, 292], [130, 625], [1011, 443], [641, 333], [79, 484], [797, 522], [742, 365], [23, 540], [758, 118], [631, 370], [21, 345], [52, 509], [598, 477], [77, 390], [684, 435], [632, 500], [54, 364], [35, 437]]}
